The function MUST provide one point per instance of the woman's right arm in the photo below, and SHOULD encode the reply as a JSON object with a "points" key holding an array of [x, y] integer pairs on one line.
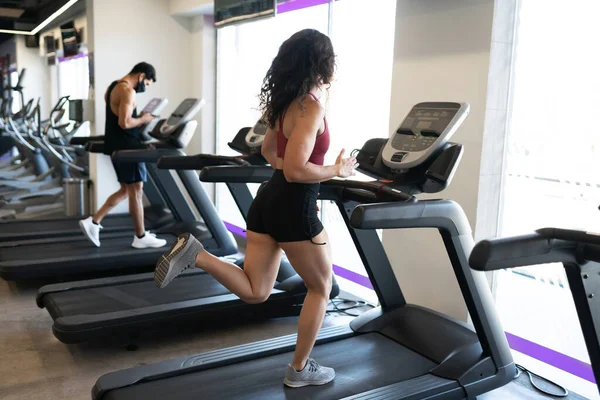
{"points": [[300, 145], [269, 147]]}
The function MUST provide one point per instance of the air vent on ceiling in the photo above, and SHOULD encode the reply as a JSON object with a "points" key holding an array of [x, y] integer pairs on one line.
{"points": [[11, 12]]}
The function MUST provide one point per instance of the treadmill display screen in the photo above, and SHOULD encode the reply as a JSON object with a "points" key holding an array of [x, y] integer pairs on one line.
{"points": [[436, 119], [181, 111], [425, 126]]}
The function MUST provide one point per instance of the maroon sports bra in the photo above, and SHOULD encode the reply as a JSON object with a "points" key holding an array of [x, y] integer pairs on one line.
{"points": [[321, 143]]}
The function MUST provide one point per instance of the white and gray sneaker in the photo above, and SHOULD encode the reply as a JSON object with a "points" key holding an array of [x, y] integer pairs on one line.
{"points": [[181, 256], [312, 374], [91, 230], [148, 240]]}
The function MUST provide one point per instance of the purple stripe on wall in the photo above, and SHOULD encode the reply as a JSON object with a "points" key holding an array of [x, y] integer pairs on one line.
{"points": [[293, 5], [236, 230], [531, 349], [352, 276], [551, 357], [80, 55]]}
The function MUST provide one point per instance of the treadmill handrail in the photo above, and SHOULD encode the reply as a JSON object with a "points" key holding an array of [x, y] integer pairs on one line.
{"points": [[255, 174], [144, 155], [441, 214], [544, 246], [83, 140], [236, 174], [199, 161], [95, 146]]}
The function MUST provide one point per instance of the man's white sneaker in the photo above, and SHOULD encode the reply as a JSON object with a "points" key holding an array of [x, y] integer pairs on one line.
{"points": [[148, 240], [91, 230]]}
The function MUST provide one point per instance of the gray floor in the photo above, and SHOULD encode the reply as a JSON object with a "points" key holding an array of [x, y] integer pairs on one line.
{"points": [[34, 365]]}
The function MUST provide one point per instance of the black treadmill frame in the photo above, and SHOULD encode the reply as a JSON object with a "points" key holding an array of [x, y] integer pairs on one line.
{"points": [[483, 360], [579, 252], [287, 294], [25, 230], [469, 362], [221, 243]]}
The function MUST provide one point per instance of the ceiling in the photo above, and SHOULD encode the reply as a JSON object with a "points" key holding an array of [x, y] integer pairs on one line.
{"points": [[25, 15]]}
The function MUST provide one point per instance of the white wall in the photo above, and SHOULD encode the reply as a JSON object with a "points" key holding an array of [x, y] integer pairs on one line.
{"points": [[142, 30], [203, 80], [38, 75], [442, 53]]}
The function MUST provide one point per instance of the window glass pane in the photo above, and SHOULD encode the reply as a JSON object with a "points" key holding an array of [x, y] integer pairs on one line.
{"points": [[552, 163], [74, 79], [359, 104], [245, 53]]}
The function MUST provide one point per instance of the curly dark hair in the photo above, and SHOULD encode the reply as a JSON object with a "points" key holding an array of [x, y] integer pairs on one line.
{"points": [[304, 61]]}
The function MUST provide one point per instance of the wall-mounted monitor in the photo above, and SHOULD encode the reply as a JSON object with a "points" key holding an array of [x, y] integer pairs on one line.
{"points": [[229, 12], [49, 44], [71, 38], [32, 41]]}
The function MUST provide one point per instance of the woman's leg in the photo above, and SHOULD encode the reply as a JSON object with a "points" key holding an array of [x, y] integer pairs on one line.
{"points": [[110, 203], [313, 264], [254, 283]]}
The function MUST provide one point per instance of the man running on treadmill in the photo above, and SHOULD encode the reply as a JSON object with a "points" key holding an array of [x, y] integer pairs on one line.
{"points": [[122, 132]]}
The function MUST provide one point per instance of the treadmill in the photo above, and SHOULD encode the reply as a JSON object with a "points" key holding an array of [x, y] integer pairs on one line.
{"points": [[28, 231], [396, 351], [60, 259], [121, 307], [578, 251]]}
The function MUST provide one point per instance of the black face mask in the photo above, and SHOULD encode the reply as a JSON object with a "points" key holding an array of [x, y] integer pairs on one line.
{"points": [[141, 87]]}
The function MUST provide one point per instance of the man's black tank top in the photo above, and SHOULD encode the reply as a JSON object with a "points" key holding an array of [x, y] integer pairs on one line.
{"points": [[117, 138]]}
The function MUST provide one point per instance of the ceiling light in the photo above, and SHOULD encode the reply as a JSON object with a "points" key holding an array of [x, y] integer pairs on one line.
{"points": [[15, 32], [41, 26], [51, 18]]}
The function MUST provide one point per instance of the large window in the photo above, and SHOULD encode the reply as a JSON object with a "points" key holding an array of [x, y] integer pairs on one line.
{"points": [[357, 104], [551, 176], [74, 78]]}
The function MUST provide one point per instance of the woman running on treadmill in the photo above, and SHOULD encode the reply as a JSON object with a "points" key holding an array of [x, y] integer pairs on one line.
{"points": [[283, 216]]}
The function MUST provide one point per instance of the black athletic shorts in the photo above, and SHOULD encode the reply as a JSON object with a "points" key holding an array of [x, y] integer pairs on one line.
{"points": [[285, 211], [130, 172]]}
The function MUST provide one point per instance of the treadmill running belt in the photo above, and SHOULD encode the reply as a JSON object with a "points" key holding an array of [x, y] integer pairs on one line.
{"points": [[361, 363], [59, 226], [130, 296], [77, 257], [80, 249]]}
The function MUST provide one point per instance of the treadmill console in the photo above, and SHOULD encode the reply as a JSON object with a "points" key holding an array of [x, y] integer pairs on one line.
{"points": [[256, 135], [155, 106], [426, 128], [179, 128]]}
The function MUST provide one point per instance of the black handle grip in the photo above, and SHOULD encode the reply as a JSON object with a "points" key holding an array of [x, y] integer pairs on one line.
{"points": [[198, 162], [591, 252], [82, 141], [236, 174], [360, 195], [95, 147], [144, 155], [519, 251], [548, 245]]}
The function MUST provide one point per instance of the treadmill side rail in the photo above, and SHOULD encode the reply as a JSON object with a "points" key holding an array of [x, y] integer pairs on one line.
{"points": [[204, 361]]}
